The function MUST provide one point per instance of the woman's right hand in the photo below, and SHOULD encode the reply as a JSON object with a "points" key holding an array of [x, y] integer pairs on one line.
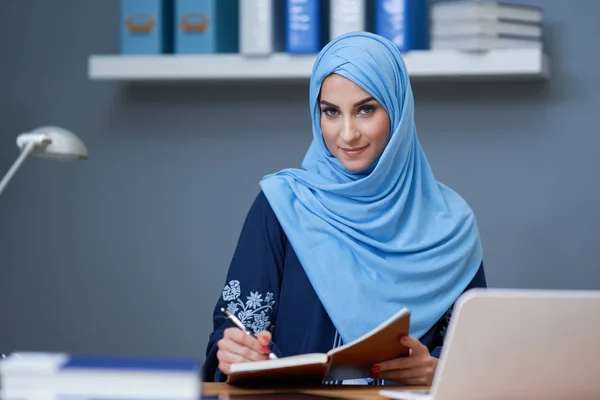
{"points": [[236, 346]]}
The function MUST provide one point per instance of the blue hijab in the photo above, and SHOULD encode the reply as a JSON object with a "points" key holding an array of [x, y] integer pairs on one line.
{"points": [[374, 241]]}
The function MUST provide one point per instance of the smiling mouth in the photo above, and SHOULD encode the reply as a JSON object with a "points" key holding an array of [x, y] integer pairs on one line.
{"points": [[353, 152], [354, 149]]}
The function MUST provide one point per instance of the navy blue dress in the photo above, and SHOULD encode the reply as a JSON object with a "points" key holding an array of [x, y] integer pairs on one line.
{"points": [[267, 289]]}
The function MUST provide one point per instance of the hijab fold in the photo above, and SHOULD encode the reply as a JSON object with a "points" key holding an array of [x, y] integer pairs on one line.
{"points": [[391, 236]]}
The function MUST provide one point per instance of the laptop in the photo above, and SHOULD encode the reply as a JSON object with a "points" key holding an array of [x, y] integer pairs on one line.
{"points": [[518, 344]]}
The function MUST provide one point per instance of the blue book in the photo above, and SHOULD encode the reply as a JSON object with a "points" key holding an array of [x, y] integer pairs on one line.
{"points": [[306, 30], [39, 373], [404, 22], [146, 26], [206, 26]]}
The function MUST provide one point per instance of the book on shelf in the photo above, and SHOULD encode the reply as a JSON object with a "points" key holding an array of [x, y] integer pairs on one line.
{"points": [[485, 27], [484, 43], [261, 27], [490, 10], [350, 16]]}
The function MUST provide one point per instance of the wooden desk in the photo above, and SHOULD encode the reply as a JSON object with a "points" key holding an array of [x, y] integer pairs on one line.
{"points": [[343, 391]]}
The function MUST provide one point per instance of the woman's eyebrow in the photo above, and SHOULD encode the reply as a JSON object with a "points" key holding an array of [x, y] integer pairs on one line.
{"points": [[358, 103]]}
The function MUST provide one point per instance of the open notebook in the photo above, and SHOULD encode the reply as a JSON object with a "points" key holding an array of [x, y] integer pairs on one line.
{"points": [[350, 361]]}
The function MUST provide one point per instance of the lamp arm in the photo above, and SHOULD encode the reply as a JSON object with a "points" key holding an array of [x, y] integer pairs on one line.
{"points": [[24, 153]]}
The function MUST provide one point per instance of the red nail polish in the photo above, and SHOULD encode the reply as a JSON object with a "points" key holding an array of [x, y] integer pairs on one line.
{"points": [[376, 368], [264, 340], [265, 350]]}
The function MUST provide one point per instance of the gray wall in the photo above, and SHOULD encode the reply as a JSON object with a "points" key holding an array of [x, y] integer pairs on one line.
{"points": [[126, 253]]}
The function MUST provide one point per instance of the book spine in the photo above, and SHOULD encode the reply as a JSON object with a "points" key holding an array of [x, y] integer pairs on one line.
{"points": [[33, 363], [347, 16], [483, 27], [458, 11], [256, 26], [303, 26], [404, 22], [130, 363]]}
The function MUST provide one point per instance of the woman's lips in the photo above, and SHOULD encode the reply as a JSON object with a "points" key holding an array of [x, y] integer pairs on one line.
{"points": [[354, 151]]}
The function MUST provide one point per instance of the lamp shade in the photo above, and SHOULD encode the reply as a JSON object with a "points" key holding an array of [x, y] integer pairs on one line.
{"points": [[56, 144]]}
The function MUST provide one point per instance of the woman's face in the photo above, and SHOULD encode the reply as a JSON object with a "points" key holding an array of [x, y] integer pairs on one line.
{"points": [[355, 127]]}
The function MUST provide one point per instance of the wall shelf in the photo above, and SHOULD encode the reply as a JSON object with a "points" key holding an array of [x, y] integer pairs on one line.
{"points": [[504, 64]]}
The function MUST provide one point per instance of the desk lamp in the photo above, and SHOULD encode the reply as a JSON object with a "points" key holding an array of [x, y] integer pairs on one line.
{"points": [[47, 142]]}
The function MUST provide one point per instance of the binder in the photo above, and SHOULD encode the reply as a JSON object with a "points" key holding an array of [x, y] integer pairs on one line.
{"points": [[206, 26], [145, 27]]}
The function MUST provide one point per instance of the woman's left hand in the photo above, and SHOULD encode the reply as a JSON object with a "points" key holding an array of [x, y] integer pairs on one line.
{"points": [[416, 370]]}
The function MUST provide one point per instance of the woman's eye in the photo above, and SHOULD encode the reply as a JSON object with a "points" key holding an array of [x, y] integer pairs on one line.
{"points": [[367, 109], [332, 112]]}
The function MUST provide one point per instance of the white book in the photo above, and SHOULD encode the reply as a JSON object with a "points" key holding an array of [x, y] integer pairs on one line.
{"points": [[261, 26], [483, 43], [347, 16], [476, 9], [485, 28]]}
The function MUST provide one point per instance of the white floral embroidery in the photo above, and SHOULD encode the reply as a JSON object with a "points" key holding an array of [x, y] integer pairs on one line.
{"points": [[261, 322], [232, 308], [269, 297], [231, 291], [254, 300], [254, 314]]}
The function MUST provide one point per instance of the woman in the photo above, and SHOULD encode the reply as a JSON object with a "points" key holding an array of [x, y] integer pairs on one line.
{"points": [[329, 251]]}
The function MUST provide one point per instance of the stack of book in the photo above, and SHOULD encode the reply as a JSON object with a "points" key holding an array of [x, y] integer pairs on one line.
{"points": [[477, 25], [38, 375]]}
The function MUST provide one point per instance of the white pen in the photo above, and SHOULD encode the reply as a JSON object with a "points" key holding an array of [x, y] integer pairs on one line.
{"points": [[240, 325]]}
